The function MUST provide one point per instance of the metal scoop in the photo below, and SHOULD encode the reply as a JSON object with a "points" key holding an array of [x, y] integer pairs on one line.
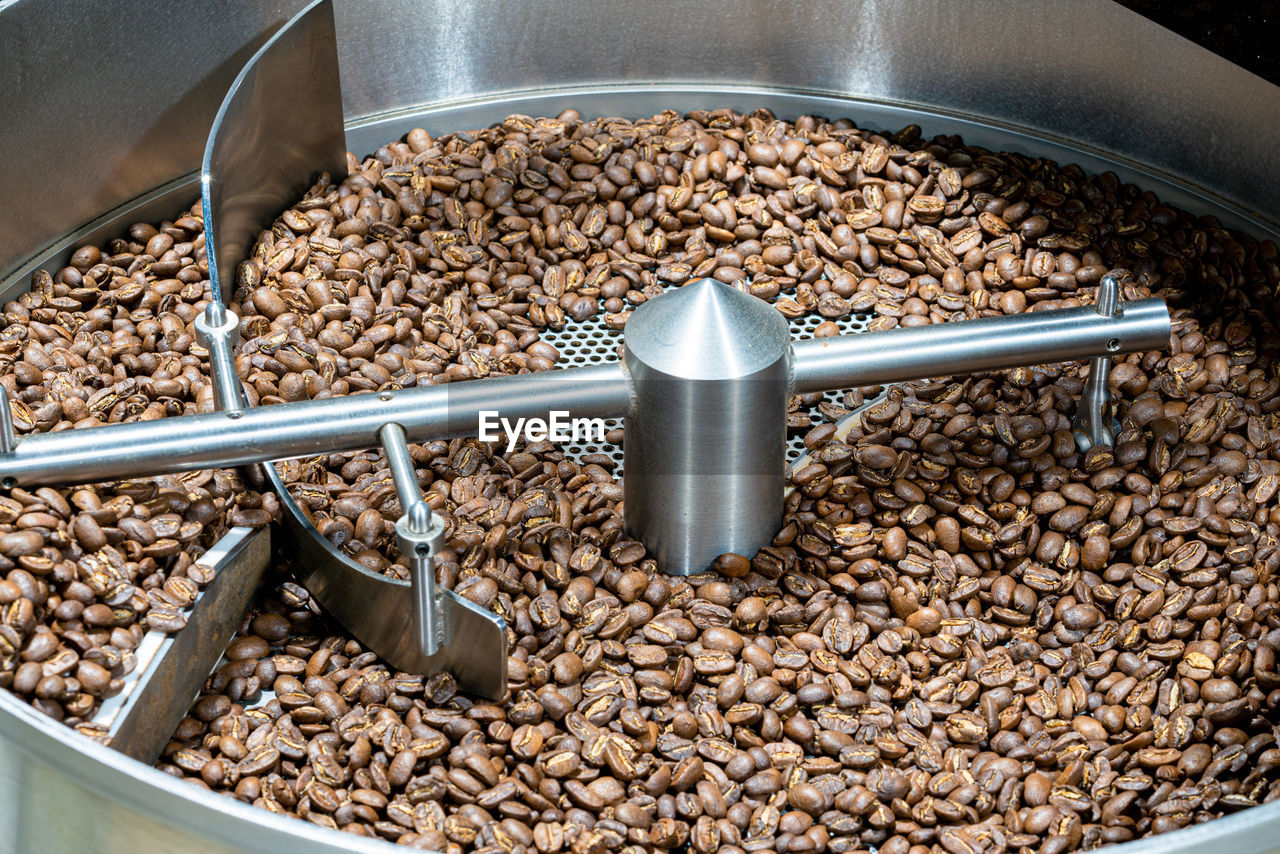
{"points": [[280, 123]]}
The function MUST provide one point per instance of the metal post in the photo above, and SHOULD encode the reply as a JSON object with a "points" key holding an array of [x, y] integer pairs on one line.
{"points": [[8, 438], [419, 536], [1095, 422], [218, 330], [706, 433]]}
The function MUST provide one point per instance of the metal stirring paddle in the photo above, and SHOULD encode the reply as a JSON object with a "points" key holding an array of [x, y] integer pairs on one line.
{"points": [[280, 123]]}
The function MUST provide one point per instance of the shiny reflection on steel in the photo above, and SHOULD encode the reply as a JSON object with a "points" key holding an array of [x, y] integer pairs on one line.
{"points": [[400, 463], [706, 432], [1095, 422], [987, 344], [61, 792], [402, 629], [142, 116], [218, 330], [419, 537], [281, 121], [279, 126], [143, 720], [312, 427], [8, 438], [476, 654], [378, 609], [307, 428]]}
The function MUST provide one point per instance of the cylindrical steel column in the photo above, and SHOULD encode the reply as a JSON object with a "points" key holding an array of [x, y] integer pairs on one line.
{"points": [[706, 433]]}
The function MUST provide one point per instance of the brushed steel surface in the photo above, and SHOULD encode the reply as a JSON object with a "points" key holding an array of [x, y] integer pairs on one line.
{"points": [[62, 793], [986, 344], [706, 432], [347, 590], [1089, 71], [119, 124], [281, 122], [146, 719], [104, 102], [306, 428], [278, 128], [420, 536]]}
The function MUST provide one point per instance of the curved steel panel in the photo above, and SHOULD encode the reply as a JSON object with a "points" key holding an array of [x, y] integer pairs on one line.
{"points": [[1089, 71], [105, 102], [61, 792]]}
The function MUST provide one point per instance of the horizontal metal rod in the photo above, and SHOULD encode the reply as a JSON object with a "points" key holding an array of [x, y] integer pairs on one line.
{"points": [[283, 431], [1036, 338], [259, 434]]}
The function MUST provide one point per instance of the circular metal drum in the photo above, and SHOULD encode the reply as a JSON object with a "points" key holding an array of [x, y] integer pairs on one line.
{"points": [[98, 136]]}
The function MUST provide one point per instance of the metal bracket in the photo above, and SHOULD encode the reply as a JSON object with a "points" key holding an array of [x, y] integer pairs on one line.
{"points": [[446, 631], [419, 536], [1095, 422]]}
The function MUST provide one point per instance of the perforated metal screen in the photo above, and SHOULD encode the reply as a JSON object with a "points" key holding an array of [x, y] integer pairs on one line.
{"points": [[592, 342]]}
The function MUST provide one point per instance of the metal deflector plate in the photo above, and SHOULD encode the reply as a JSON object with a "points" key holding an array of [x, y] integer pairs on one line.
{"points": [[171, 669]]}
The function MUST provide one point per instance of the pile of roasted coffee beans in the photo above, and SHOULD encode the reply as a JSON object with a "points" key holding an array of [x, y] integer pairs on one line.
{"points": [[85, 571], [967, 635]]}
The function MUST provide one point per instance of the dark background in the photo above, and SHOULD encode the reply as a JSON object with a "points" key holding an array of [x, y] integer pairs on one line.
{"points": [[1247, 33]]}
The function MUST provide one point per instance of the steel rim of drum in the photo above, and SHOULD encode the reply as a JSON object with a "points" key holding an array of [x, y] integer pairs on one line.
{"points": [[206, 812], [368, 132]]}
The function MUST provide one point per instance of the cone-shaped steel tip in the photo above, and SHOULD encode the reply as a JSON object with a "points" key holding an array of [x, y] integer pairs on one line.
{"points": [[707, 330], [419, 517], [1108, 298], [215, 314]]}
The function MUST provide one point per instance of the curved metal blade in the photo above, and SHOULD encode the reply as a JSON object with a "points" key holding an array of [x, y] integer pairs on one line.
{"points": [[278, 128], [379, 610]]}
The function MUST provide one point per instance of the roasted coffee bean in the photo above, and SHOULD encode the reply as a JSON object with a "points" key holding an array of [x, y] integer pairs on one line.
{"points": [[111, 559], [250, 646], [271, 627]]}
